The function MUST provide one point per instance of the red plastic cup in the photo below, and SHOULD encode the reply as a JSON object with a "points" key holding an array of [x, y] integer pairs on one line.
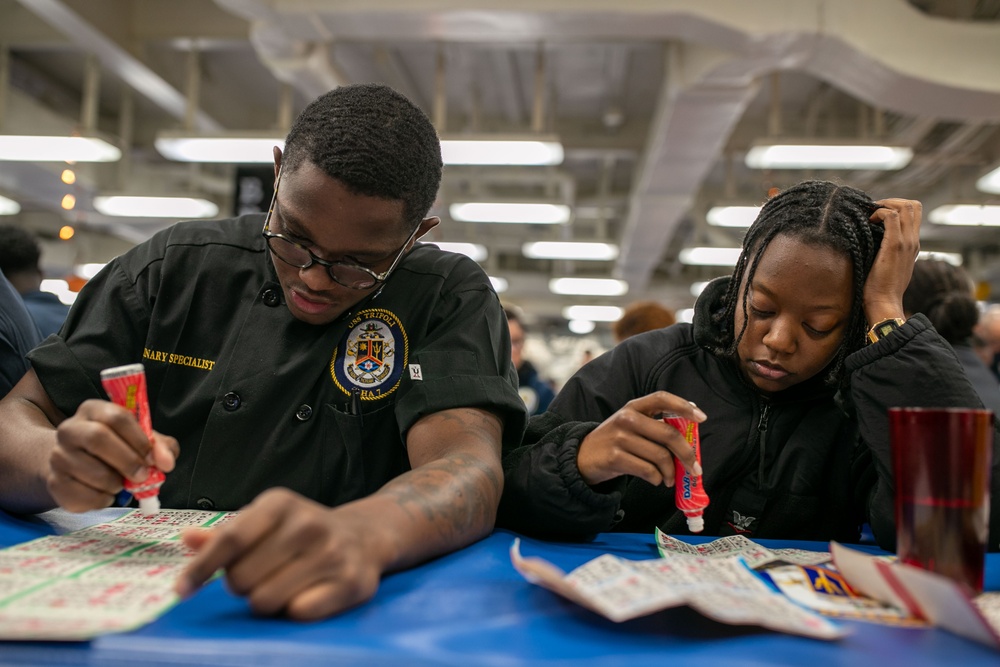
{"points": [[941, 465]]}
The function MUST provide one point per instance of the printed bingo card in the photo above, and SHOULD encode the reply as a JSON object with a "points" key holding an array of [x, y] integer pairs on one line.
{"points": [[109, 577]]}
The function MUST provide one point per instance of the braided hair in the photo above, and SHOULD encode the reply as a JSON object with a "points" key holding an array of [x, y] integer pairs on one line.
{"points": [[374, 141], [818, 213], [943, 293]]}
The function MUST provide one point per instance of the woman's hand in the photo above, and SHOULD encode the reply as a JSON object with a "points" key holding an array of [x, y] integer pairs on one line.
{"points": [[890, 274], [636, 441]]}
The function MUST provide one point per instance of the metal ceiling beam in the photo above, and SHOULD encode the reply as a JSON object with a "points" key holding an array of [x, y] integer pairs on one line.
{"points": [[116, 59]]}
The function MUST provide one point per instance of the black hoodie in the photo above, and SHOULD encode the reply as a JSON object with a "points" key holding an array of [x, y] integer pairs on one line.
{"points": [[807, 463]]}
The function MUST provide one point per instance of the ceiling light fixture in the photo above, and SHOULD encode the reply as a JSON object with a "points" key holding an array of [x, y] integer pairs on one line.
{"points": [[698, 287], [973, 215], [581, 327], [592, 313], [494, 150], [511, 212], [990, 182], [710, 256], [588, 286], [499, 284], [243, 148], [953, 258], [475, 251], [732, 216], [816, 155], [569, 250], [155, 207], [9, 206], [38, 148]]}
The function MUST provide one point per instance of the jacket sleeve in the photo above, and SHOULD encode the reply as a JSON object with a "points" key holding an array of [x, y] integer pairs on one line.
{"points": [[544, 494], [911, 367]]}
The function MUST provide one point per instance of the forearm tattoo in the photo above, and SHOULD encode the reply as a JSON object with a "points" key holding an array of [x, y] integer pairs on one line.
{"points": [[457, 492]]}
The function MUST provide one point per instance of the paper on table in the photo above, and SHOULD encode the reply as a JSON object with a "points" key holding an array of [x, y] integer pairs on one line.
{"points": [[802, 576], [754, 554], [924, 594], [724, 589], [109, 577]]}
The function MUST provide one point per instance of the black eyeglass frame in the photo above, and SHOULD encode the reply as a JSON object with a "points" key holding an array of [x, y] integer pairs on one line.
{"points": [[377, 278]]}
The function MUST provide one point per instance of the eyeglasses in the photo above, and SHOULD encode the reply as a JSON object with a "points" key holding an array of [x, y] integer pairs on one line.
{"points": [[345, 273]]}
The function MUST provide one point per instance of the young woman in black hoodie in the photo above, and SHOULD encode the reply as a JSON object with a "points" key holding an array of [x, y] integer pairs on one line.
{"points": [[790, 366]]}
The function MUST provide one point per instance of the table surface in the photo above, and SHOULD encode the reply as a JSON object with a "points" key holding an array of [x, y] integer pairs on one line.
{"points": [[473, 608]]}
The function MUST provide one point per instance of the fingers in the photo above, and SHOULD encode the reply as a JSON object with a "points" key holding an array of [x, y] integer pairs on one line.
{"points": [[227, 544], [165, 450], [95, 449], [635, 441], [286, 553]]}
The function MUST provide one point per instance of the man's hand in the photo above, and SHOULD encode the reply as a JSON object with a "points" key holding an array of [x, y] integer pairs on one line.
{"points": [[289, 554], [96, 449], [636, 441]]}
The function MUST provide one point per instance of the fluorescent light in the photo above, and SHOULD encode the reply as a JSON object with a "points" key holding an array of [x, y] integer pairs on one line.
{"points": [[34, 148], [495, 151], [581, 326], [732, 216], [710, 256], [513, 212], [476, 251], [9, 206], [247, 149], [953, 258], [827, 156], [966, 214], [593, 313], [569, 250], [685, 315], [87, 271], [156, 207], [698, 288], [990, 182], [60, 288], [499, 284], [588, 286]]}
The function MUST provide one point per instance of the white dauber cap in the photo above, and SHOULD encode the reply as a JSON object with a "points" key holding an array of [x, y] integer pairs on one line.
{"points": [[151, 505], [696, 524]]}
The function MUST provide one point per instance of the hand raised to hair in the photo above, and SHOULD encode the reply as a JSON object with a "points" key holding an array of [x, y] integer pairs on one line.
{"points": [[96, 449], [890, 274], [634, 441], [287, 554]]}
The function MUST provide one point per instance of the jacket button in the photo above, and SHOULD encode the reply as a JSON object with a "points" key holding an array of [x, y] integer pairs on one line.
{"points": [[205, 504], [270, 298], [231, 401], [304, 413]]}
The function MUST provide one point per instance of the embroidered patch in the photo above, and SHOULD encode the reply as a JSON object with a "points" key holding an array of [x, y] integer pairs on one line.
{"points": [[372, 356], [415, 372], [742, 524]]}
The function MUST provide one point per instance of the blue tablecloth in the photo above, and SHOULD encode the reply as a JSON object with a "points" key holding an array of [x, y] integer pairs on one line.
{"points": [[472, 608]]}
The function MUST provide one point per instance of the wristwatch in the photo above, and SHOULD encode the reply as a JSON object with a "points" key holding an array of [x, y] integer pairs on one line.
{"points": [[881, 329]]}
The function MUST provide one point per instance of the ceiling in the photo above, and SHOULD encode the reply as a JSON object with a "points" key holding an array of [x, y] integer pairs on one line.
{"points": [[655, 101]]}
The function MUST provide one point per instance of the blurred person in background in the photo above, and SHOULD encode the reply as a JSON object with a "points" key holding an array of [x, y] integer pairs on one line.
{"points": [[535, 391], [19, 260], [944, 293], [988, 333], [642, 316], [18, 334]]}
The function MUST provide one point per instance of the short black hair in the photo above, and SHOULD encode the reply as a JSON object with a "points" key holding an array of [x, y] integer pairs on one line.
{"points": [[819, 213], [373, 140], [19, 250], [943, 293]]}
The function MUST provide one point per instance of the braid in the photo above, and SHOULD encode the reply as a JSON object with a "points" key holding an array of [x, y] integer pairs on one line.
{"points": [[818, 213]]}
